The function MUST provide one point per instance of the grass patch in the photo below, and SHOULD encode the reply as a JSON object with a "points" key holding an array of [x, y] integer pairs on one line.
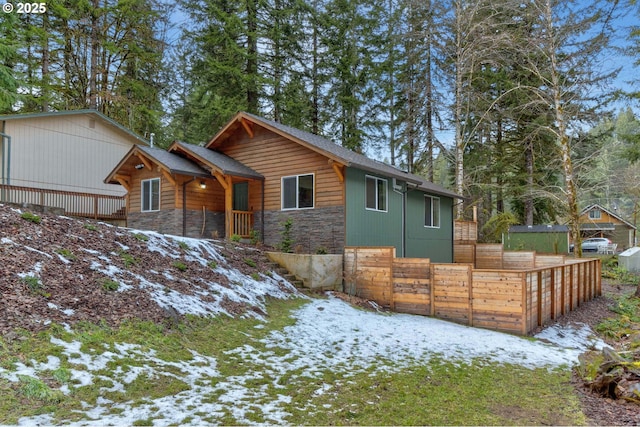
{"points": [[180, 265], [627, 319], [141, 237], [250, 262], [439, 393], [90, 227], [429, 393], [35, 389], [28, 216], [212, 265], [127, 258], [110, 285], [67, 254]]}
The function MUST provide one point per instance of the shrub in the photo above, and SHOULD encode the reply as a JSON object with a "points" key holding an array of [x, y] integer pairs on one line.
{"points": [[235, 238], [213, 265], [91, 227], [286, 244], [254, 237], [31, 217]]}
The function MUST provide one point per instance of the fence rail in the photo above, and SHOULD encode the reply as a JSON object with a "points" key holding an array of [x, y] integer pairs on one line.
{"points": [[514, 297], [86, 205]]}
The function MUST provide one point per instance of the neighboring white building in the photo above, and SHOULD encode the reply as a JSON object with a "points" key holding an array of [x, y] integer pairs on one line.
{"points": [[44, 154]]}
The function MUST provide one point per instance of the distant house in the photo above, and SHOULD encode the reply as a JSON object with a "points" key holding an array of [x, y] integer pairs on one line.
{"points": [[596, 221], [544, 239], [255, 174], [59, 159]]}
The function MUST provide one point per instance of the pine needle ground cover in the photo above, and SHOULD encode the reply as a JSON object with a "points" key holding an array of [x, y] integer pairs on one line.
{"points": [[279, 371]]}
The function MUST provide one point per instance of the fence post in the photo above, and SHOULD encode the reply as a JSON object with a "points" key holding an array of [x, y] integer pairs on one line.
{"points": [[539, 276], [470, 282], [392, 301], [525, 306], [552, 281]]}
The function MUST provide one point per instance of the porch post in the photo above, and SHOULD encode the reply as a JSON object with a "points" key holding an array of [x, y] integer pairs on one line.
{"points": [[227, 184]]}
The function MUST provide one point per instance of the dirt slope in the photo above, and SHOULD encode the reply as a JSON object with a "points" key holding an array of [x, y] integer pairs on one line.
{"points": [[65, 270]]}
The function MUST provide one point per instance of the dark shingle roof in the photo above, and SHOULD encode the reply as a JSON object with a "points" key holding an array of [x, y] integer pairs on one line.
{"points": [[174, 162], [352, 158], [226, 164]]}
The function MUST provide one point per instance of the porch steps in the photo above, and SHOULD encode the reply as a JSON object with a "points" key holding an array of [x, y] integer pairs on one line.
{"points": [[291, 278]]}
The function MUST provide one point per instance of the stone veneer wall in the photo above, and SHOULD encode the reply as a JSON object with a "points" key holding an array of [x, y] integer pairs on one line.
{"points": [[312, 228], [170, 222]]}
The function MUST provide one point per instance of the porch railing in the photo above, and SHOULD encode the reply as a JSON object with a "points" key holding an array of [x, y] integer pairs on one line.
{"points": [[242, 223], [87, 205]]}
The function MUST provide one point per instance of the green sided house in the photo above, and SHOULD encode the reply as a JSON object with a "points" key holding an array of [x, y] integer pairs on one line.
{"points": [[255, 174]]}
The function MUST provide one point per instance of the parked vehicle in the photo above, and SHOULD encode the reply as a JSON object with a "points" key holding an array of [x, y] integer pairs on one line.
{"points": [[594, 244]]}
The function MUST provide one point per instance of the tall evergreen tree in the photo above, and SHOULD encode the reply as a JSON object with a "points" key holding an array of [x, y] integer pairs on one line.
{"points": [[8, 58]]}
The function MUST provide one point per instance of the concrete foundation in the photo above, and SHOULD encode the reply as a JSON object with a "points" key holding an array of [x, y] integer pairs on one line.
{"points": [[316, 271]]}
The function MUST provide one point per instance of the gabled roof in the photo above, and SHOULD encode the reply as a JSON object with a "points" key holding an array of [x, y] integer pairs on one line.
{"points": [[616, 216], [216, 160], [332, 151], [171, 162], [539, 229], [98, 115]]}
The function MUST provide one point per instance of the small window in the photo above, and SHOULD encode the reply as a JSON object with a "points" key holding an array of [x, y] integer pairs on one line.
{"points": [[151, 195], [595, 214], [297, 192], [376, 194], [431, 212]]}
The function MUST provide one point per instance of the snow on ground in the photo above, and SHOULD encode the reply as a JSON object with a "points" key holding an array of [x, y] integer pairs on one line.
{"points": [[328, 334]]}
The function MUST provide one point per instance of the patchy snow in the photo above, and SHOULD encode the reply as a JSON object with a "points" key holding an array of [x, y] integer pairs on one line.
{"points": [[328, 334]]}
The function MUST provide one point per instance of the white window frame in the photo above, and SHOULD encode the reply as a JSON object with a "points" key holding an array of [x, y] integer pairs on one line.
{"points": [[595, 214], [431, 214], [297, 178], [150, 195], [386, 194]]}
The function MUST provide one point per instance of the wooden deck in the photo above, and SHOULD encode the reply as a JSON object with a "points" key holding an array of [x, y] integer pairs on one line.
{"points": [[84, 205]]}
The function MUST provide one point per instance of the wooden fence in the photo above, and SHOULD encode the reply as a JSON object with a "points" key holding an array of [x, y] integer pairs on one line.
{"points": [[509, 298], [96, 206]]}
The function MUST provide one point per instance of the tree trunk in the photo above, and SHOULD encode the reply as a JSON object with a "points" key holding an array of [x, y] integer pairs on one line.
{"points": [[95, 45]]}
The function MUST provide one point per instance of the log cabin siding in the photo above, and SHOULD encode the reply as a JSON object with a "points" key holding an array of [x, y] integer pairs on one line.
{"points": [[167, 191], [259, 153]]}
